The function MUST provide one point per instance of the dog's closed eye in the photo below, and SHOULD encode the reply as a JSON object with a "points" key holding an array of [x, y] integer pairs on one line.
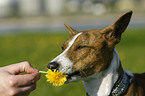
{"points": [[80, 47]]}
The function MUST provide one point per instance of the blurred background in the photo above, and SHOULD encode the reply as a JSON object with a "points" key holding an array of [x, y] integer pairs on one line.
{"points": [[33, 30]]}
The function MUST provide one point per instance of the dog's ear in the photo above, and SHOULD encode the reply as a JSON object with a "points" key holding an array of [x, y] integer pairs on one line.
{"points": [[71, 30], [114, 31]]}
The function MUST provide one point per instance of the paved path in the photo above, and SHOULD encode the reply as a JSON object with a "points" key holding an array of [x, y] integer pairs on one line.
{"points": [[51, 24]]}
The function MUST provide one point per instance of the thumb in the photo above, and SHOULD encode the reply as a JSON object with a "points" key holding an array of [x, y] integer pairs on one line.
{"points": [[21, 67], [28, 68]]}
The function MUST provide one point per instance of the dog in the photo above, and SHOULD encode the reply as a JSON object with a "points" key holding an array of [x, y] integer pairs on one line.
{"points": [[91, 56]]}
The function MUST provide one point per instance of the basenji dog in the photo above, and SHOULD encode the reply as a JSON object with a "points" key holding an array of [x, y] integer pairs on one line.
{"points": [[91, 56]]}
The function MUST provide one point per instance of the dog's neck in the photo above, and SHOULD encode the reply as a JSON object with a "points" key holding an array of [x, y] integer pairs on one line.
{"points": [[100, 84]]}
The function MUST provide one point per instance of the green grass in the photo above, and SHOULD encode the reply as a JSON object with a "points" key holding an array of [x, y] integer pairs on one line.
{"points": [[40, 48]]}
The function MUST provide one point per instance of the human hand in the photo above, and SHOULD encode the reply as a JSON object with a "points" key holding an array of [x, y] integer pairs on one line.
{"points": [[12, 84]]}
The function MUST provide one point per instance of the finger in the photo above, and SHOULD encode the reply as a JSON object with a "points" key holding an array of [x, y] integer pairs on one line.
{"points": [[21, 67], [25, 91], [29, 88], [22, 91], [23, 80], [28, 79]]}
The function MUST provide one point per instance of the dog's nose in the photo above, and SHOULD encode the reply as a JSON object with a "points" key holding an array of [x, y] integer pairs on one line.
{"points": [[53, 65]]}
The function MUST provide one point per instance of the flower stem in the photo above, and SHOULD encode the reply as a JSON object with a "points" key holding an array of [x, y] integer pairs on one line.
{"points": [[42, 72]]}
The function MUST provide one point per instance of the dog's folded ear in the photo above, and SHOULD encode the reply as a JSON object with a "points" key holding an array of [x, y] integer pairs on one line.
{"points": [[114, 31], [71, 30]]}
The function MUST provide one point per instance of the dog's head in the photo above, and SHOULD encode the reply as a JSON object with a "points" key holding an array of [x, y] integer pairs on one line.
{"points": [[89, 52]]}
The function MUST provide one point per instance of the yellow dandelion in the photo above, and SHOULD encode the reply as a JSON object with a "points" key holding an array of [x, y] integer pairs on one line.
{"points": [[56, 78]]}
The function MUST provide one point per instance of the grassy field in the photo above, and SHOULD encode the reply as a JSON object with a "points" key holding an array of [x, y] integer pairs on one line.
{"points": [[40, 48]]}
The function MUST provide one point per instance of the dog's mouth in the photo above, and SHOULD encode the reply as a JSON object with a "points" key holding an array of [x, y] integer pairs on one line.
{"points": [[71, 77]]}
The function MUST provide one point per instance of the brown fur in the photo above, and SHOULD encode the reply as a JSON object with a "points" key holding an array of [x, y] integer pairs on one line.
{"points": [[92, 52], [137, 87], [95, 57], [98, 46]]}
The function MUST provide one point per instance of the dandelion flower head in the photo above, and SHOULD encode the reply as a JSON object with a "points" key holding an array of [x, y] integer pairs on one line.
{"points": [[56, 78]]}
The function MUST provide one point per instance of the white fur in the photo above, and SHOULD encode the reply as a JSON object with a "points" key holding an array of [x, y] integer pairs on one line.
{"points": [[63, 60], [100, 84]]}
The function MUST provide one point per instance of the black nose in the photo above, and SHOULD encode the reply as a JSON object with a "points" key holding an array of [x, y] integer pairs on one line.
{"points": [[52, 65]]}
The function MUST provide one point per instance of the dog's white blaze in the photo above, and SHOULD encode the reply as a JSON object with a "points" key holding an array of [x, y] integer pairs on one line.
{"points": [[63, 60], [102, 83]]}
